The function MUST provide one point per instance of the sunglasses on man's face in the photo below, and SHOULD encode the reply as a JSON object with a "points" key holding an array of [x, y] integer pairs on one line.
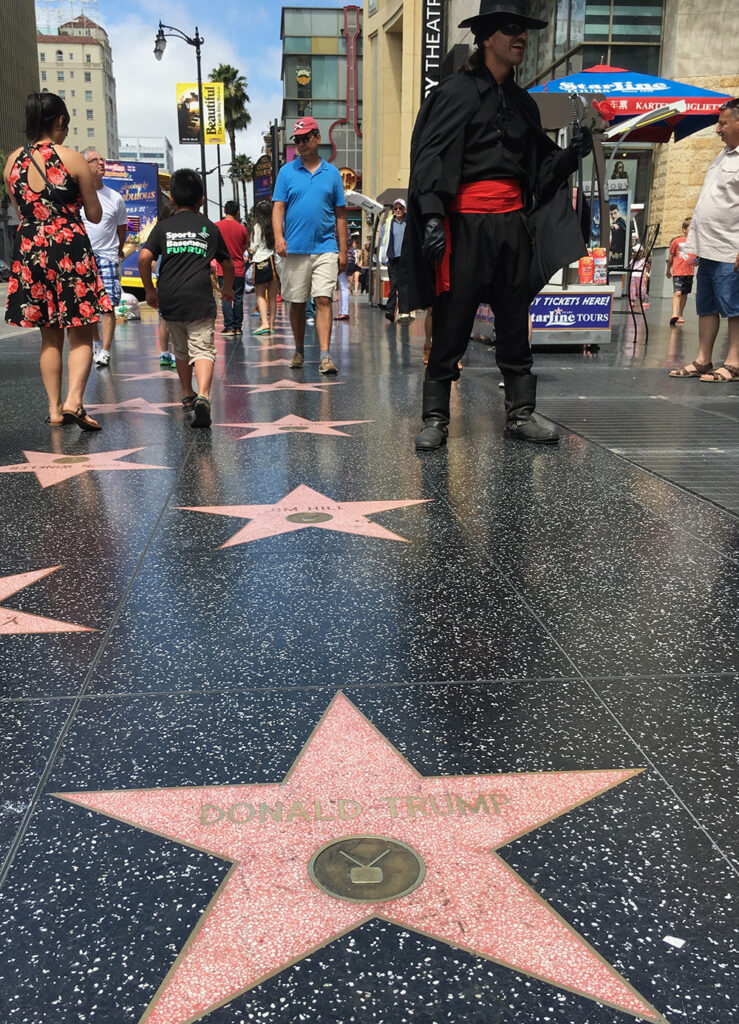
{"points": [[511, 28], [303, 138]]}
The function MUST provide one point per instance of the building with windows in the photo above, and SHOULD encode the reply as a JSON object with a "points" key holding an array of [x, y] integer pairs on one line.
{"points": [[77, 64], [156, 150], [322, 78]]}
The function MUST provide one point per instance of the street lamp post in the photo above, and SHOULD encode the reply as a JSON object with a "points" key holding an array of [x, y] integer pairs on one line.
{"points": [[159, 45]]}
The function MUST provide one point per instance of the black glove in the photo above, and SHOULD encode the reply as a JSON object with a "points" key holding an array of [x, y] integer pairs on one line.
{"points": [[581, 143], [434, 239]]}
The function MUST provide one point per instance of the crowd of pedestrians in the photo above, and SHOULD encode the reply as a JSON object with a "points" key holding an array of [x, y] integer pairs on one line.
{"points": [[461, 238]]}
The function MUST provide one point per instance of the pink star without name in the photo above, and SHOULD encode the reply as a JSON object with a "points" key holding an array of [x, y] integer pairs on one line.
{"points": [[272, 362], [134, 405], [294, 424], [12, 621], [303, 508], [286, 385], [156, 375], [349, 782], [51, 467]]}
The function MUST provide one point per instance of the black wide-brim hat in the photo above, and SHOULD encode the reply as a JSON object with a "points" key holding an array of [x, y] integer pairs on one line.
{"points": [[516, 9]]}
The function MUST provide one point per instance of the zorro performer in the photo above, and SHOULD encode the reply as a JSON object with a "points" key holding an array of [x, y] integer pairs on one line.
{"points": [[490, 217]]}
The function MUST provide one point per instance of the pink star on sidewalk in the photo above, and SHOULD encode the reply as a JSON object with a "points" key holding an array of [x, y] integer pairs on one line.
{"points": [[156, 375], [276, 344], [355, 833], [286, 385], [134, 405], [51, 468], [12, 621], [303, 508], [273, 362], [292, 425]]}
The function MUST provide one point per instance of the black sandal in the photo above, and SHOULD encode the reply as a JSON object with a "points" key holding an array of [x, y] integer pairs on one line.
{"points": [[80, 417], [62, 422], [188, 401]]}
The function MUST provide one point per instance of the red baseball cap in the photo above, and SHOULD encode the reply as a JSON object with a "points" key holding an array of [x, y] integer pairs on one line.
{"points": [[304, 125]]}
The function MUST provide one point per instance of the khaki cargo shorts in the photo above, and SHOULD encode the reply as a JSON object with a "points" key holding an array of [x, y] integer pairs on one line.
{"points": [[304, 276], [192, 339]]}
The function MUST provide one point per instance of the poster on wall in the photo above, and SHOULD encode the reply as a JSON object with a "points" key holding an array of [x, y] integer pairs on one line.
{"points": [[138, 185], [619, 212]]}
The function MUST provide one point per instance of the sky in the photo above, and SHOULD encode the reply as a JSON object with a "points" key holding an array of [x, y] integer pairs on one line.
{"points": [[244, 33]]}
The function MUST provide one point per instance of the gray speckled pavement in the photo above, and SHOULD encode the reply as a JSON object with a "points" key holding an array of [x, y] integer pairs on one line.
{"points": [[311, 728]]}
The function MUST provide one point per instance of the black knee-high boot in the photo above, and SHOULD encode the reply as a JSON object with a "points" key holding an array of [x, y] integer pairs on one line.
{"points": [[435, 415], [521, 420]]}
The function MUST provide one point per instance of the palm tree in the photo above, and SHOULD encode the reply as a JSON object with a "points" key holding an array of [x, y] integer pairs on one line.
{"points": [[235, 100], [241, 169]]}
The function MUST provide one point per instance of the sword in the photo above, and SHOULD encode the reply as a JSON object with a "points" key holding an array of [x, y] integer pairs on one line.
{"points": [[575, 123]]}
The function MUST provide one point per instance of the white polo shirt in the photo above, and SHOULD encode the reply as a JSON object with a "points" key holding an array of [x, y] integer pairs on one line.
{"points": [[714, 229], [104, 236]]}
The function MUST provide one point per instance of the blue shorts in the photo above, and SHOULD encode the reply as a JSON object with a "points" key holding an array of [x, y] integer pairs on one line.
{"points": [[717, 290], [109, 275]]}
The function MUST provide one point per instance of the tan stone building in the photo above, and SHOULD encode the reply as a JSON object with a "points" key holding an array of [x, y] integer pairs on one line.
{"points": [[77, 64], [703, 52], [403, 48]]}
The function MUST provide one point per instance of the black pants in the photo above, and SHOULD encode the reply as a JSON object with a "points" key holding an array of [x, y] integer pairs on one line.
{"points": [[490, 260], [397, 293]]}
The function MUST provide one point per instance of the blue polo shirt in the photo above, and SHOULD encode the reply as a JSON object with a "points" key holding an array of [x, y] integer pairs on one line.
{"points": [[310, 203]]}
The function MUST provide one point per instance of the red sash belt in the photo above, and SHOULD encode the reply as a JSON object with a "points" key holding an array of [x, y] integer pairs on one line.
{"points": [[499, 196]]}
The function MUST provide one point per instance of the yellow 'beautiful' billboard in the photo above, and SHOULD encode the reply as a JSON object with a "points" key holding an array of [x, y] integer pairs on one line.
{"points": [[188, 113]]}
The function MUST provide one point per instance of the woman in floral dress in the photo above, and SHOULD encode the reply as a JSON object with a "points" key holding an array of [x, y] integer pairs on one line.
{"points": [[54, 283]]}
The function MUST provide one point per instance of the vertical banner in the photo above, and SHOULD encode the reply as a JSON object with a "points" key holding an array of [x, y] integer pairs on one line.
{"points": [[262, 179], [432, 40], [188, 113], [138, 185], [215, 114]]}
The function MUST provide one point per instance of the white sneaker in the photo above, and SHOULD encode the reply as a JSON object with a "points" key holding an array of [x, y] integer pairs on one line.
{"points": [[405, 318], [102, 358]]}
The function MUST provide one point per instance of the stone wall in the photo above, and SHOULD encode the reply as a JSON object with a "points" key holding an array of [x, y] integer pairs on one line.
{"points": [[679, 167]]}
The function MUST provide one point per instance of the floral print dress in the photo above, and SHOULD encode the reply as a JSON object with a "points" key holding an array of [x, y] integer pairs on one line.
{"points": [[54, 278]]}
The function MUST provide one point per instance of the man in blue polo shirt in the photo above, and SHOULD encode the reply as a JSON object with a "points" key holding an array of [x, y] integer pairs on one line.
{"points": [[309, 221]]}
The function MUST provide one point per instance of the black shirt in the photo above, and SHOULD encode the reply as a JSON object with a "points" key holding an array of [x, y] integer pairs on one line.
{"points": [[187, 242], [472, 129]]}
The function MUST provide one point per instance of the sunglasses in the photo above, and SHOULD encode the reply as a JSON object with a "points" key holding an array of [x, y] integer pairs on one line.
{"points": [[730, 105], [511, 28], [304, 138]]}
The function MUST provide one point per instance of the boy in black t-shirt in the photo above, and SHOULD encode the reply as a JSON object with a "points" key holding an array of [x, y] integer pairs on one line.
{"points": [[187, 242]]}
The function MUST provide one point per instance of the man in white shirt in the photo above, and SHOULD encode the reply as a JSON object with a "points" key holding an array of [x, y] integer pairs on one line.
{"points": [[714, 238], [106, 239]]}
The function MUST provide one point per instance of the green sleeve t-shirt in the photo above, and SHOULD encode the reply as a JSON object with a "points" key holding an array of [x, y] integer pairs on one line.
{"points": [[187, 243]]}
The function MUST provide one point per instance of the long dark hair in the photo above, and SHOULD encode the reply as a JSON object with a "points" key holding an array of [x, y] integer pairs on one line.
{"points": [[42, 110], [263, 217]]}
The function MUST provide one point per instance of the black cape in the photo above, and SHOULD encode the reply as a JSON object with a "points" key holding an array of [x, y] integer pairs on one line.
{"points": [[437, 157]]}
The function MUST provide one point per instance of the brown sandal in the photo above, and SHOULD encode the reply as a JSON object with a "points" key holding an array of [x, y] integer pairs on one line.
{"points": [[694, 369], [716, 377]]}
